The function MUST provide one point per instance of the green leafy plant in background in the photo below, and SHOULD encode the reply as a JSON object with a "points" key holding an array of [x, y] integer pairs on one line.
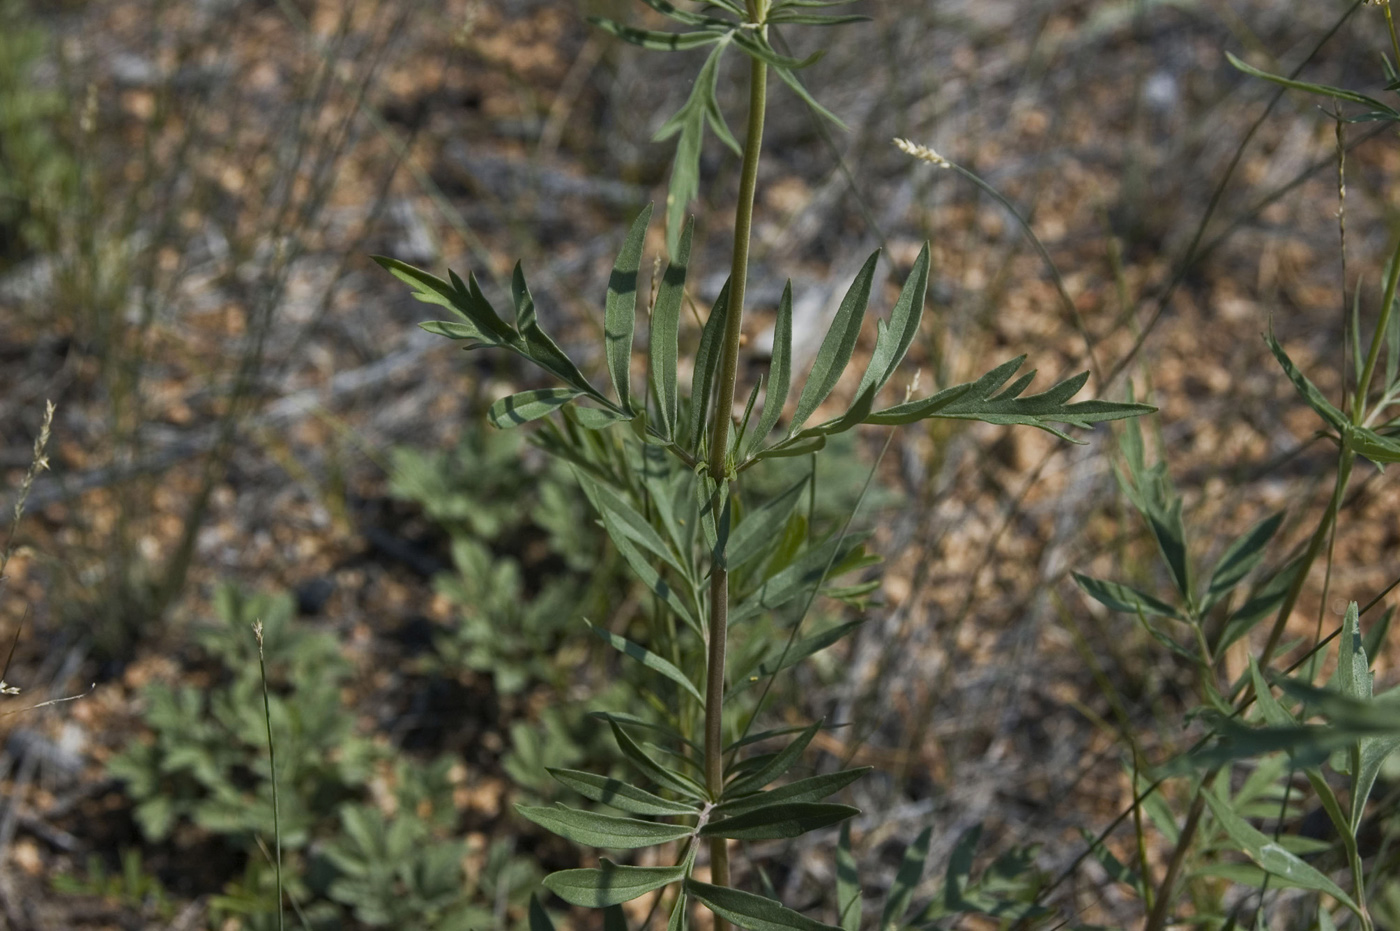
{"points": [[1336, 734], [131, 886], [206, 766], [666, 474]]}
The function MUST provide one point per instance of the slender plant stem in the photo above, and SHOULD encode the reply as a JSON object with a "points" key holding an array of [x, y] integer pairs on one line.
{"points": [[719, 456], [1363, 380], [1310, 556], [272, 767], [1157, 919]]}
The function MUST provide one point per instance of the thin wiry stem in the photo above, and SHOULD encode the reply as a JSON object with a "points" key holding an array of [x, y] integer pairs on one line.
{"points": [[272, 766]]}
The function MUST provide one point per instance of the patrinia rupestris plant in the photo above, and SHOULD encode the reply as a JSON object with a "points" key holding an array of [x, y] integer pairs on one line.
{"points": [[663, 469]]}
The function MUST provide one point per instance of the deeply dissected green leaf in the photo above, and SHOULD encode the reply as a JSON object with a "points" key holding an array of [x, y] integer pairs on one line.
{"points": [[848, 908], [800, 445], [612, 884], [1170, 531], [467, 303], [922, 409], [1347, 716], [653, 39], [620, 315], [906, 880], [811, 789], [905, 318], [670, 10], [1263, 602], [454, 329], [1269, 855], [1239, 559], [609, 831], [516, 409], [538, 346], [981, 401], [837, 346], [779, 820], [1325, 409], [756, 46], [749, 911], [657, 773], [792, 81], [788, 656], [648, 659], [707, 358], [655, 583], [815, 19], [805, 574], [619, 794], [631, 720], [665, 329], [781, 762], [1119, 597], [623, 520], [700, 109], [758, 530], [779, 371]]}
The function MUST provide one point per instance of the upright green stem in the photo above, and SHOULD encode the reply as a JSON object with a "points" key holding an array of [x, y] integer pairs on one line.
{"points": [[1161, 909], [719, 454], [1363, 380]]}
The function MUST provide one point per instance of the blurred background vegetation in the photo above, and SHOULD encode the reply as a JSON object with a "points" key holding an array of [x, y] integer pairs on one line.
{"points": [[250, 425]]}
